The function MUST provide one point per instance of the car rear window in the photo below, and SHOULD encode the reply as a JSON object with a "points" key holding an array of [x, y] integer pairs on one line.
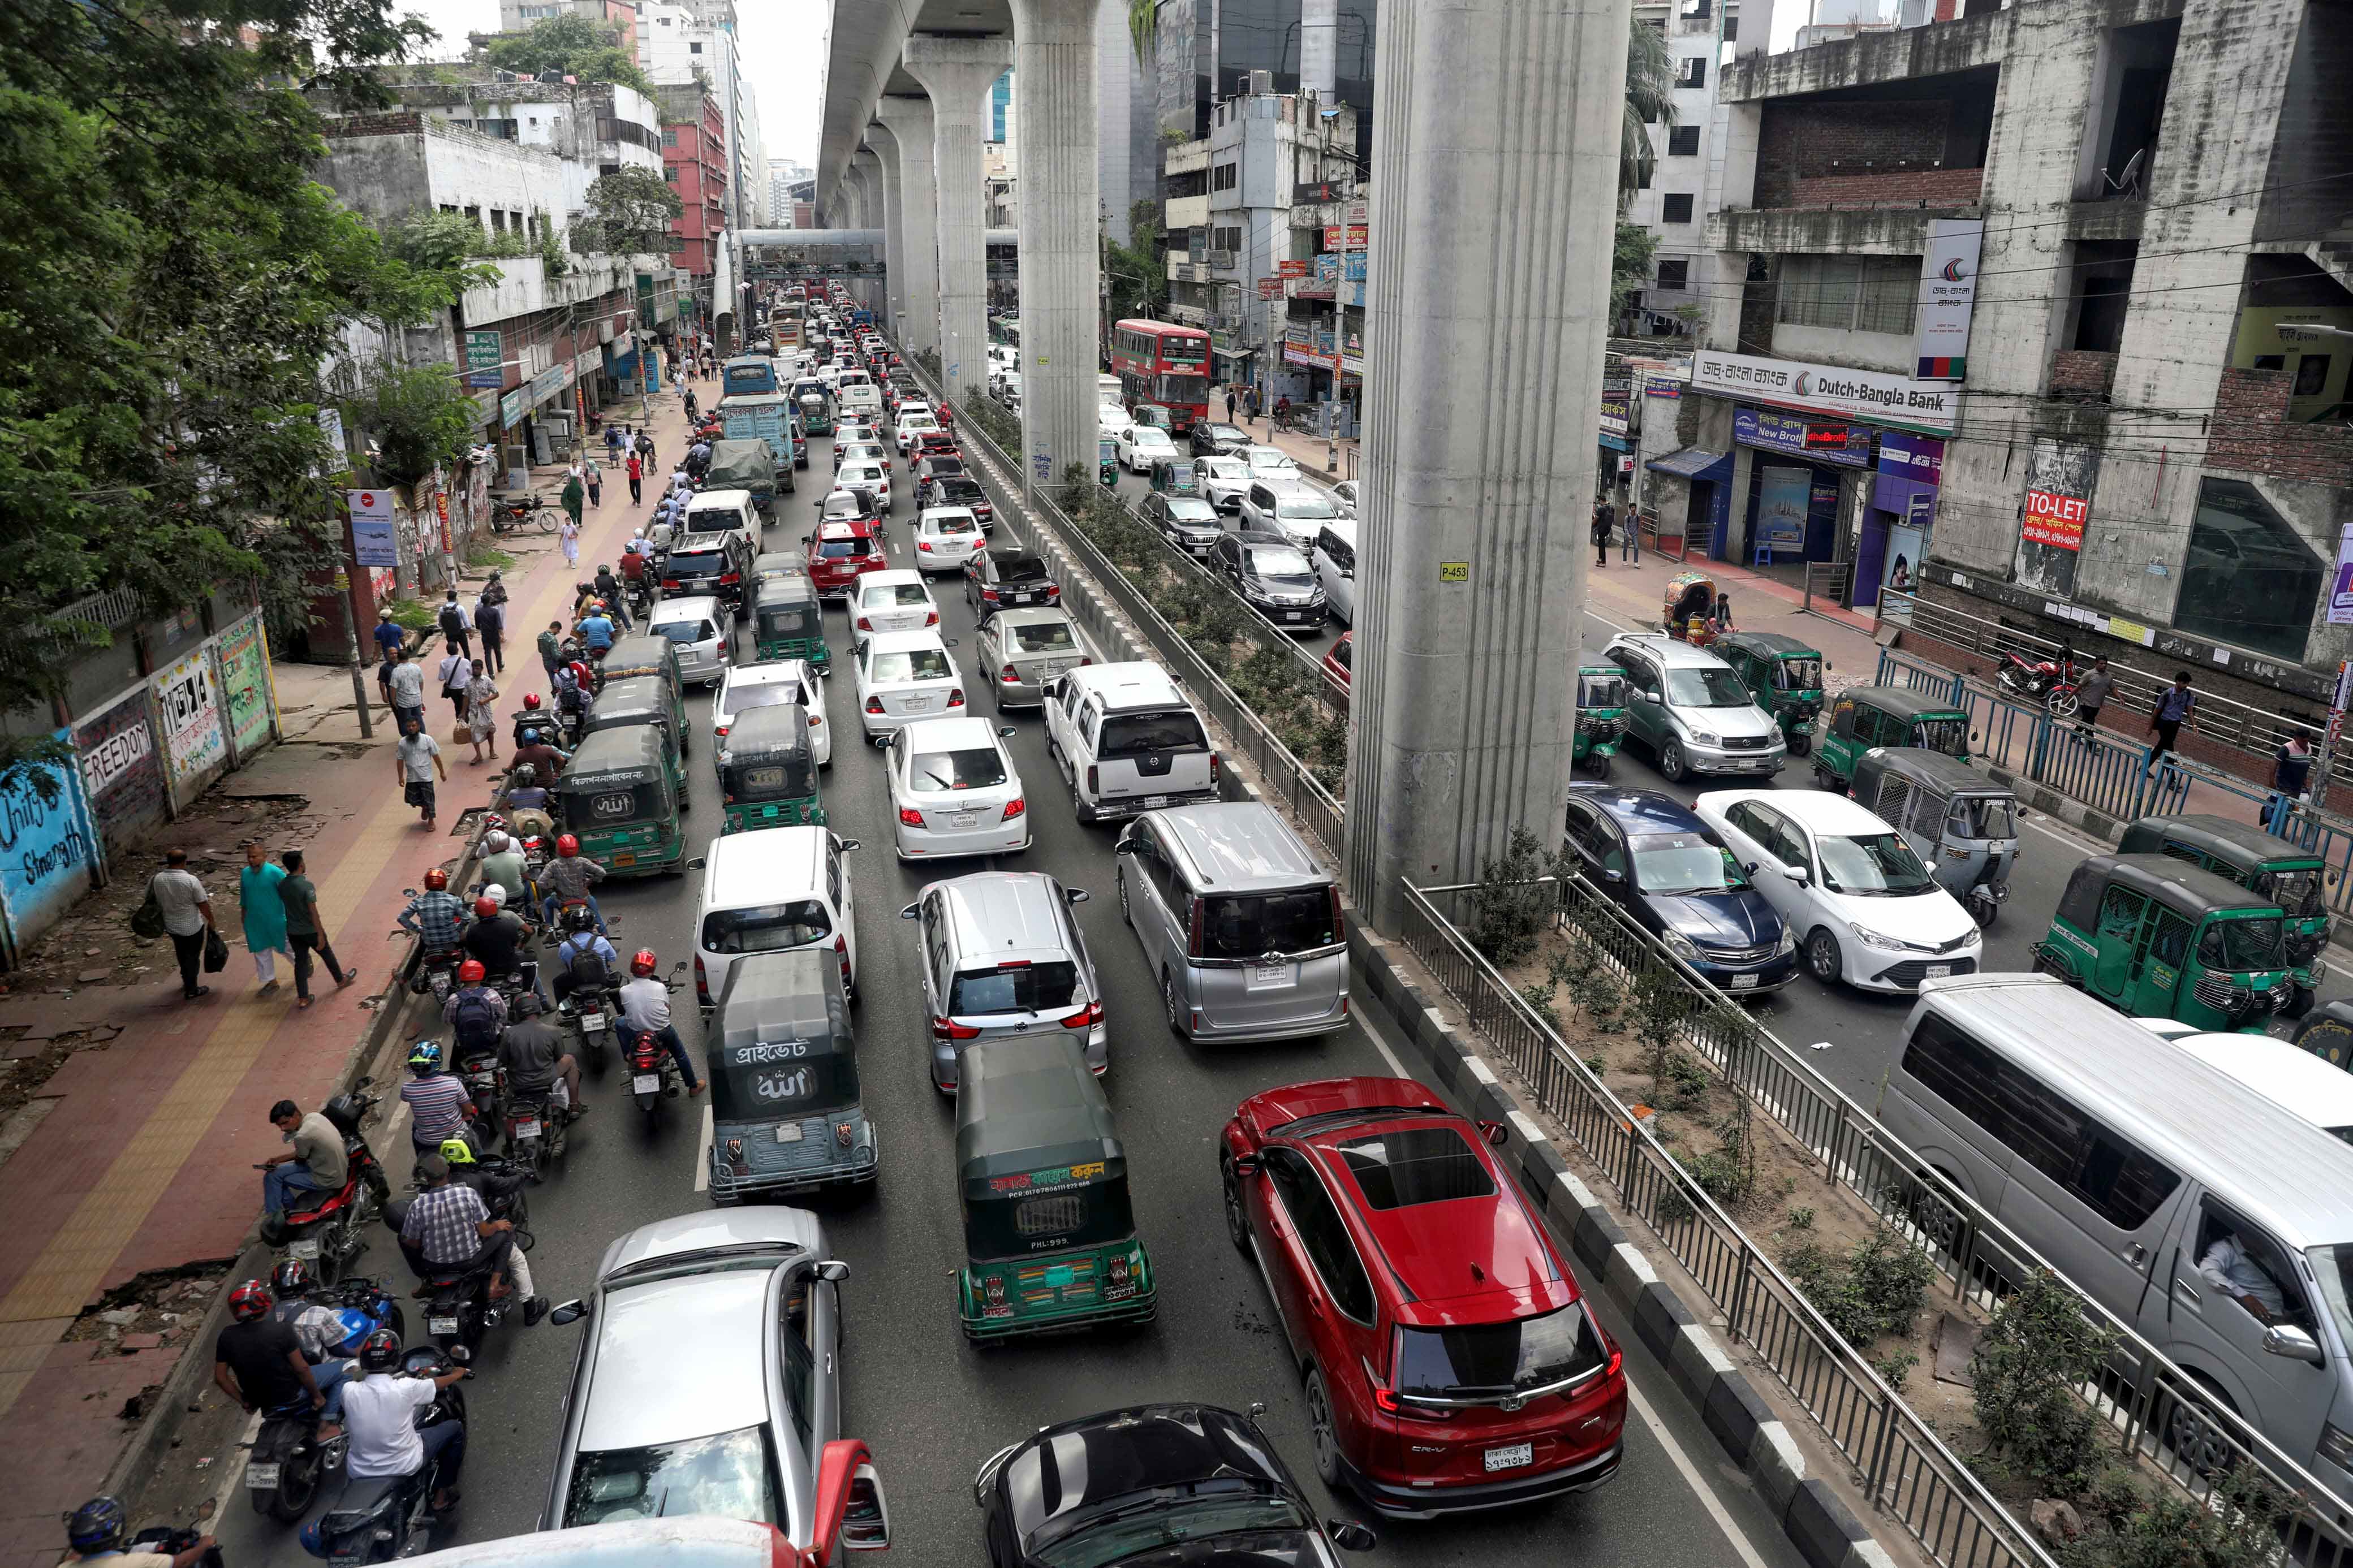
{"points": [[1495, 1359], [917, 664], [938, 773], [843, 549], [879, 597], [1126, 735], [1020, 569], [1251, 925], [943, 467], [1404, 1166], [698, 560], [952, 522], [1013, 988], [766, 928], [764, 694], [687, 631], [1042, 638]]}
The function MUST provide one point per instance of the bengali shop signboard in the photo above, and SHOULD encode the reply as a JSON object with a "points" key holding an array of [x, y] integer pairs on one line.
{"points": [[1871, 395]]}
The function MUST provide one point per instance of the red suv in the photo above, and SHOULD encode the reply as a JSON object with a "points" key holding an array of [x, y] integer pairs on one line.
{"points": [[840, 552], [1450, 1358]]}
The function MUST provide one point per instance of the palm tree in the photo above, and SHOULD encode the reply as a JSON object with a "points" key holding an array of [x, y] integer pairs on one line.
{"points": [[1649, 96], [1143, 27]]}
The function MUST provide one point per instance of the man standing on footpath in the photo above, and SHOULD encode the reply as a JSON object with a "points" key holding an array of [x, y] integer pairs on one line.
{"points": [[390, 639], [187, 915], [635, 469], [306, 931], [406, 682], [417, 760], [551, 649], [264, 914], [491, 620], [2091, 696]]}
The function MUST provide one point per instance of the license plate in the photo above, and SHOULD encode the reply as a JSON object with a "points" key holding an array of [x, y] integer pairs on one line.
{"points": [[788, 1132], [625, 859], [528, 1129], [645, 1083], [1936, 971], [1265, 976], [916, 704], [1294, 615], [1512, 1457], [261, 1477], [1744, 982], [1154, 800], [592, 1020], [440, 1325], [307, 1247], [964, 819]]}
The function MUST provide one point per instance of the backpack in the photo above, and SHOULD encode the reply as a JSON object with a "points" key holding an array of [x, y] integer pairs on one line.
{"points": [[478, 1023], [453, 621], [587, 966]]}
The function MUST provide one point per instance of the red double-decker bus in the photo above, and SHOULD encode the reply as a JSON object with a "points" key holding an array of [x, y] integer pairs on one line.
{"points": [[1162, 362]]}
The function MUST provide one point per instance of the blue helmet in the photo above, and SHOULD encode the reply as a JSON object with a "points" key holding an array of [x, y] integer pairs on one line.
{"points": [[425, 1057], [98, 1525]]}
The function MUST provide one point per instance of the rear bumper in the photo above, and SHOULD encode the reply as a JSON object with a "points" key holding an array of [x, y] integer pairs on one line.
{"points": [[1206, 1028], [1430, 1502], [1119, 809], [1140, 1308], [733, 1189]]}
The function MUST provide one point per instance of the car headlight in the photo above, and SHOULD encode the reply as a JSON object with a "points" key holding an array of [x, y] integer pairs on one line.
{"points": [[1871, 938], [1681, 946], [1788, 942], [1703, 738]]}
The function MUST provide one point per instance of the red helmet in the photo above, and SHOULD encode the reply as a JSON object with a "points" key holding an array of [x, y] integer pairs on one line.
{"points": [[470, 973], [567, 846], [250, 1300], [436, 879], [486, 907], [643, 962], [531, 702], [582, 673]]}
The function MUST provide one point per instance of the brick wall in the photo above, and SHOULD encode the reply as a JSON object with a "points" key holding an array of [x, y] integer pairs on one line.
{"points": [[2252, 433], [1897, 187], [2085, 375], [400, 123], [1800, 141]]}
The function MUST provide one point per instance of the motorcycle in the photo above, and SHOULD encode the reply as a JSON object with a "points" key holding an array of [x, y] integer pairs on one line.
{"points": [[436, 971], [383, 1518], [640, 592], [457, 1301], [2051, 682], [591, 1016], [288, 1462], [535, 1127], [653, 1071], [522, 511], [486, 1082], [171, 1539], [329, 1232]]}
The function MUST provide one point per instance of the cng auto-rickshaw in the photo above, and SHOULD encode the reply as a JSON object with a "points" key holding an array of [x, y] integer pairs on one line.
{"points": [[2159, 938], [2262, 862], [817, 413], [643, 700], [1175, 477], [788, 622], [635, 658], [1961, 824], [1050, 1238], [1868, 716], [1107, 461], [1687, 612], [786, 1114], [618, 795], [767, 770], [1783, 675], [776, 565], [1600, 716]]}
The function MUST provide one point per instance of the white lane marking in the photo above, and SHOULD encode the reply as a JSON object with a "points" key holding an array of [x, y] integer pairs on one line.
{"points": [[233, 1463], [1706, 1494], [702, 1155], [1378, 1034]]}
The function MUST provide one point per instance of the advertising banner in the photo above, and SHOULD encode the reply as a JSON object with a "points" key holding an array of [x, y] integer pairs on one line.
{"points": [[1948, 293], [245, 681], [1290, 269], [2340, 592], [1875, 396], [1848, 445], [47, 849], [485, 359], [1782, 500], [1359, 236], [194, 741], [2061, 477], [1271, 288], [2055, 518], [1617, 413], [371, 541], [1335, 235], [1918, 457]]}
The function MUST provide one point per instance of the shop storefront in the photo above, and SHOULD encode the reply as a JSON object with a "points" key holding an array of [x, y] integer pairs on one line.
{"points": [[1897, 529], [1796, 466]]}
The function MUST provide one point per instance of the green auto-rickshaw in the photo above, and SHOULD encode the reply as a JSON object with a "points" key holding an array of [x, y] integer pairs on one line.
{"points": [[2159, 938], [787, 1114], [776, 565], [817, 413], [1050, 1239], [2262, 862], [642, 700], [620, 796], [788, 622], [1175, 477], [1107, 461], [1868, 716], [767, 770], [1783, 675], [1600, 716], [636, 657]]}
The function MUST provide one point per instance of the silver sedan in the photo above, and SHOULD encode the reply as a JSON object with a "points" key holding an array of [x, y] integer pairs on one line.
{"points": [[1021, 651]]}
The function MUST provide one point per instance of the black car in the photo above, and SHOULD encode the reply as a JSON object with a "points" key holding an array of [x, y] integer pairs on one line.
{"points": [[1128, 1485], [1009, 580], [958, 490], [715, 563], [1272, 577], [1667, 868], [1210, 440], [1188, 523]]}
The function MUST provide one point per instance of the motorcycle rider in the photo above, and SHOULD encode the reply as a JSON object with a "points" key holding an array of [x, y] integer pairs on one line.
{"points": [[317, 1327], [385, 1440], [532, 1050], [438, 1106], [503, 866], [568, 878], [476, 1010], [645, 1009], [315, 1162], [583, 959], [497, 939], [258, 1361], [98, 1529], [597, 630], [435, 914], [536, 748], [451, 1227], [608, 593]]}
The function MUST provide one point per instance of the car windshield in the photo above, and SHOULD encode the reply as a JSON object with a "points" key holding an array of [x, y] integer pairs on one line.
{"points": [[765, 928], [884, 595], [2249, 942], [1265, 460], [1186, 509], [1983, 817], [935, 772], [1254, 925], [1225, 433], [1128, 735], [914, 664], [1493, 1359], [1276, 563], [1045, 637], [729, 1473], [1706, 688], [1872, 865], [1020, 569], [1226, 467], [1671, 863], [2297, 893], [1243, 1527], [1311, 506], [1022, 987], [1403, 1166], [2333, 1267]]}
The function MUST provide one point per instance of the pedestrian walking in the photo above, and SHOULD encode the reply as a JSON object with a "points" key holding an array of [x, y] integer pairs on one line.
{"points": [[306, 931], [188, 912], [263, 914], [1604, 525], [454, 678], [481, 713], [390, 637], [2290, 773], [1630, 537], [567, 534], [1230, 405], [491, 620], [456, 626], [417, 762], [612, 434], [575, 495], [551, 649], [646, 447], [406, 684], [2175, 705], [2091, 696], [594, 478], [690, 406], [636, 467]]}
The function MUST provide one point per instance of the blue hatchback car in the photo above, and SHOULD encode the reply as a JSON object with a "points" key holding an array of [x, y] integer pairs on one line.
{"points": [[1670, 871]]}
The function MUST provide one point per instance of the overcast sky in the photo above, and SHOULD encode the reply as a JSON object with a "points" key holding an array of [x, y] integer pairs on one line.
{"points": [[782, 58]]}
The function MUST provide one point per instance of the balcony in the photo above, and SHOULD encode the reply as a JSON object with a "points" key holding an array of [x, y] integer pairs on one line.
{"points": [[1941, 48], [1186, 212], [1183, 268]]}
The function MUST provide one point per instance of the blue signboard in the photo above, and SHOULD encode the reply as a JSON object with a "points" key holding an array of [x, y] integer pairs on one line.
{"points": [[1847, 446]]}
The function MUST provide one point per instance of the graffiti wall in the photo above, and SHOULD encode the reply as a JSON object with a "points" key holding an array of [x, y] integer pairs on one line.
{"points": [[122, 769], [244, 651], [48, 853], [196, 743]]}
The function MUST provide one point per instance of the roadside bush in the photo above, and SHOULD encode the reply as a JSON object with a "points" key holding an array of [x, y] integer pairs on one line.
{"points": [[995, 423], [2238, 1526], [2037, 1351], [1510, 908], [1658, 1018], [1876, 1289]]}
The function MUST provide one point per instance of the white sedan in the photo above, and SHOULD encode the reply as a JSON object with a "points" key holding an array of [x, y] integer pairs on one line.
{"points": [[894, 601], [946, 539], [1271, 463], [954, 791], [1141, 446], [750, 686], [874, 476], [904, 676], [1110, 419], [1344, 496], [1864, 906], [915, 418]]}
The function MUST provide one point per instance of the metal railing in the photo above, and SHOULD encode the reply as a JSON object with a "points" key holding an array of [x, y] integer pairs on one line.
{"points": [[1829, 581], [2161, 1415]]}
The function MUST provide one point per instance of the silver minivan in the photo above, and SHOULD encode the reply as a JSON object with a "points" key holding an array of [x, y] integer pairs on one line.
{"points": [[1240, 923], [1003, 956], [701, 629], [2211, 1219]]}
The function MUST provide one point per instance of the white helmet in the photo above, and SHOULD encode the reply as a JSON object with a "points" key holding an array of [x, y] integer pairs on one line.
{"points": [[495, 842]]}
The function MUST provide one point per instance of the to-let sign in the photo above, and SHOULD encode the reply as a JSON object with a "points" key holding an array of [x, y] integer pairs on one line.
{"points": [[2057, 520]]}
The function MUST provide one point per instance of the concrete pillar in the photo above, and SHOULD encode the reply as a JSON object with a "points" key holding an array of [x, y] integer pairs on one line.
{"points": [[1495, 158], [868, 165], [1054, 87], [958, 73], [908, 125], [880, 142]]}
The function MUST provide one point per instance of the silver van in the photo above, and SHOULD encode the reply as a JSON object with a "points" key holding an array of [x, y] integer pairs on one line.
{"points": [[2211, 1219], [1240, 923], [1003, 956], [701, 630]]}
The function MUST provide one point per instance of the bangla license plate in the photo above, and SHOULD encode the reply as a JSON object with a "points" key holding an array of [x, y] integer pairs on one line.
{"points": [[307, 1247], [527, 1129], [625, 859], [1154, 800], [1744, 982], [261, 1477], [788, 1132], [917, 704], [1271, 976], [1936, 971], [592, 1020], [645, 1083], [964, 819], [1510, 1457], [440, 1325]]}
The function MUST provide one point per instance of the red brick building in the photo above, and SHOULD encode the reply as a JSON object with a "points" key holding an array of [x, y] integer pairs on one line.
{"points": [[695, 160]]}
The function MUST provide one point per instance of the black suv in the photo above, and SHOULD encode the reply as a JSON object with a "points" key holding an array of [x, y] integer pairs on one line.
{"points": [[1188, 523], [718, 563], [1272, 577], [959, 489], [1209, 440]]}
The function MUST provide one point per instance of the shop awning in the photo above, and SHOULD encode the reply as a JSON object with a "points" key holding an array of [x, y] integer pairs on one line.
{"points": [[1692, 463]]}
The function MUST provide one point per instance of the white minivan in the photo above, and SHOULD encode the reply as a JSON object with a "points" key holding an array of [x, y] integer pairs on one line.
{"points": [[1335, 556], [771, 891]]}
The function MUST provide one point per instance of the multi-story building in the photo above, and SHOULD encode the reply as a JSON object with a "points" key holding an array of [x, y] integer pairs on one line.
{"points": [[697, 42], [784, 177], [2047, 311], [599, 126], [621, 16], [1206, 51], [1687, 171], [694, 161]]}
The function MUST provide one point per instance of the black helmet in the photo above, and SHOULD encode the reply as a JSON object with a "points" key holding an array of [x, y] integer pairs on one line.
{"points": [[98, 1525], [292, 1278], [527, 1005], [345, 1111], [578, 917], [525, 777], [380, 1351]]}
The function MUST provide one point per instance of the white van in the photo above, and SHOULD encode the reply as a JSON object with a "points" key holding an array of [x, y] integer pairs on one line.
{"points": [[715, 511], [771, 891]]}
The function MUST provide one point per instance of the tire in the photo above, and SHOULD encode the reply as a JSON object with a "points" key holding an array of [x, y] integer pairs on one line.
{"points": [[1801, 745], [545, 518], [1825, 779], [1323, 1436], [2196, 1441], [1672, 766], [1171, 1007], [2061, 704], [1601, 765], [1237, 1223], [1823, 959]]}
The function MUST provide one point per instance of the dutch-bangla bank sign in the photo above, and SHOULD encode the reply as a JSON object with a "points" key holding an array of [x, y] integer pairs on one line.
{"points": [[1871, 394]]}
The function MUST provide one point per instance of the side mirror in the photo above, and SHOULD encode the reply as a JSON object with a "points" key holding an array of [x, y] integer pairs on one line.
{"points": [[408, 892], [461, 1354], [679, 968], [1075, 895], [1124, 846], [570, 1312], [1650, 697], [2287, 1340], [847, 844], [1495, 1133], [881, 742], [1798, 874], [833, 1271], [1750, 866], [1246, 1164], [911, 912], [1351, 1535], [1608, 876], [949, 642], [866, 1516], [697, 864]]}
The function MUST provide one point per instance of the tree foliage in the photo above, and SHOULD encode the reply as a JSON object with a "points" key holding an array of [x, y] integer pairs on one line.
{"points": [[629, 212], [413, 419], [1138, 270], [1629, 264], [1650, 98], [1143, 28], [572, 46]]}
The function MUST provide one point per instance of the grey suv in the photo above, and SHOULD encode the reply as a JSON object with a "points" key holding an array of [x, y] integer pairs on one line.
{"points": [[1690, 710], [1002, 956], [1240, 923]]}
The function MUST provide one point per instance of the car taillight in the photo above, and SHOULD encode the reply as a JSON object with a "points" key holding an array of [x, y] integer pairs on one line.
{"points": [[864, 625], [1193, 925], [955, 698], [669, 582], [932, 619], [1053, 591], [1383, 1394], [949, 1029], [1086, 1018], [925, 545], [874, 705], [1213, 767], [989, 594], [727, 577], [909, 817], [702, 982], [719, 731], [1013, 808], [1339, 921], [815, 719], [1008, 675]]}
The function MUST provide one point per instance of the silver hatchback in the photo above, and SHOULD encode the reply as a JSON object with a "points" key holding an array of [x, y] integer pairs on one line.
{"points": [[1003, 957], [1021, 651], [1241, 924]]}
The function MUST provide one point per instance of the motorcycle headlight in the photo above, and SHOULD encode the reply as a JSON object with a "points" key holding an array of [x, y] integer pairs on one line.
{"points": [[1871, 938]]}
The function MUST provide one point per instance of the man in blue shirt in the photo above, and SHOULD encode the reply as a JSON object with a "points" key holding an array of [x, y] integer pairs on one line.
{"points": [[596, 632], [2175, 705], [389, 639]]}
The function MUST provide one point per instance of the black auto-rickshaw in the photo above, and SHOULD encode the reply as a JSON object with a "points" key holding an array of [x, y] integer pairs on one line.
{"points": [[618, 795], [1783, 675], [786, 1114], [2160, 938], [1600, 716], [1962, 824], [767, 770], [788, 622], [643, 699], [2263, 863], [1050, 1238], [1868, 716]]}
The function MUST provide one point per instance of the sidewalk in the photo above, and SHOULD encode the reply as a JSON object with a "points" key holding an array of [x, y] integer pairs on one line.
{"points": [[132, 1163]]}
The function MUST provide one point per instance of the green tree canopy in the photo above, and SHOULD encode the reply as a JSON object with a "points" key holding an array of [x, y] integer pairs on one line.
{"points": [[1650, 97], [573, 46], [629, 212], [1139, 270]]}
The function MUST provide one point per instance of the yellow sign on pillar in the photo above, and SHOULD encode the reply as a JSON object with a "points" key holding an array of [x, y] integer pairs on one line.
{"points": [[1454, 571]]}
